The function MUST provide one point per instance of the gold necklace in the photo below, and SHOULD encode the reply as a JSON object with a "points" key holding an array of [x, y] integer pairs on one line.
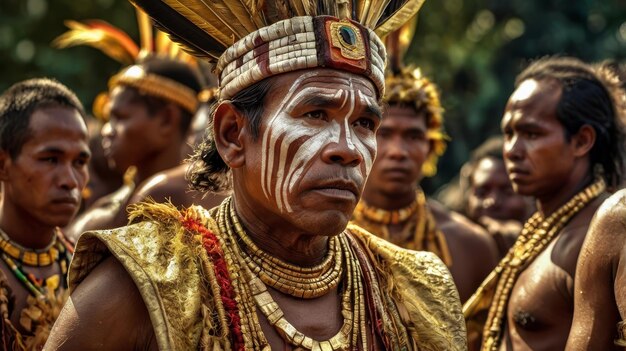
{"points": [[353, 331], [534, 238], [425, 234], [301, 282], [382, 216], [31, 257]]}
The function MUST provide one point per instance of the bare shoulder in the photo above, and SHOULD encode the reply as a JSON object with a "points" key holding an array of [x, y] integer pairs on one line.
{"points": [[459, 228], [607, 231], [105, 311]]}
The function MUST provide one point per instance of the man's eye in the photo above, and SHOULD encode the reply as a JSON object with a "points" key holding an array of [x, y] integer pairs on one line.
{"points": [[365, 123], [48, 159], [316, 115]]}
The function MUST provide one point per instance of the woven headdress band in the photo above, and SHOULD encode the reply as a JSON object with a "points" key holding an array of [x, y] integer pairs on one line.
{"points": [[301, 43]]}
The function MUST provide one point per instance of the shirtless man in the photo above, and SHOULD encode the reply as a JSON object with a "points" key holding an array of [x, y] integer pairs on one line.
{"points": [[490, 199], [43, 169], [560, 147], [600, 284], [393, 205], [145, 131]]}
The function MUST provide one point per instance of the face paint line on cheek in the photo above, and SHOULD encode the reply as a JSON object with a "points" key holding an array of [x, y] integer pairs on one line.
{"points": [[271, 136], [268, 155]]}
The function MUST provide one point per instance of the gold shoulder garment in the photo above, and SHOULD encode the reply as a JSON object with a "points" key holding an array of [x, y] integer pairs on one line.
{"points": [[162, 259], [423, 290]]}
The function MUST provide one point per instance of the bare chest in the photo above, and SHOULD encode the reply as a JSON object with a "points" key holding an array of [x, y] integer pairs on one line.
{"points": [[540, 310]]}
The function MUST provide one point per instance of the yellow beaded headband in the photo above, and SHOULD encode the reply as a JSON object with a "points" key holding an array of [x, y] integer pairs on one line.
{"points": [[152, 84], [407, 85], [249, 41], [411, 88], [116, 44]]}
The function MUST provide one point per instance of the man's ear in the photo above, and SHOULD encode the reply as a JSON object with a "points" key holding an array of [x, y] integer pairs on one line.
{"points": [[5, 162], [228, 125], [584, 140], [169, 120]]}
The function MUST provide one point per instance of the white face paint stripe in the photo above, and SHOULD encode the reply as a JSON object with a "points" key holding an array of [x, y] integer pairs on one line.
{"points": [[266, 135], [283, 130]]}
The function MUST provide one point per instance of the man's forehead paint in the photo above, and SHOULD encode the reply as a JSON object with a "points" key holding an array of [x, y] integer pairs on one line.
{"points": [[283, 130]]}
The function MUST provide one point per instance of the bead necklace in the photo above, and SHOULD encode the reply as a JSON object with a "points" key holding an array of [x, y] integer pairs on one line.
{"points": [[534, 238], [382, 216], [301, 282], [352, 334], [15, 257], [425, 236]]}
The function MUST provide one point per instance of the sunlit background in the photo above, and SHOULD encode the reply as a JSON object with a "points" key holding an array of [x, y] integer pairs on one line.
{"points": [[471, 49]]}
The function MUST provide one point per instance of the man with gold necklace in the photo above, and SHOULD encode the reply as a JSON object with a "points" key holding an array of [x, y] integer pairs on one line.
{"points": [[273, 267], [394, 207], [43, 169], [562, 146]]}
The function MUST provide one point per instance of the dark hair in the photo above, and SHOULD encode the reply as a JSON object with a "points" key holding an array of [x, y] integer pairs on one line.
{"points": [[589, 97], [177, 71], [19, 102], [207, 171]]}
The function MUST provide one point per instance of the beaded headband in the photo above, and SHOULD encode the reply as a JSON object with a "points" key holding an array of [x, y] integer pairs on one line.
{"points": [[301, 43], [155, 85], [118, 45]]}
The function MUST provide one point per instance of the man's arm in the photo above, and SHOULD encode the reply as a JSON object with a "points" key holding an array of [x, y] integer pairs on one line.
{"points": [[105, 312], [595, 307]]}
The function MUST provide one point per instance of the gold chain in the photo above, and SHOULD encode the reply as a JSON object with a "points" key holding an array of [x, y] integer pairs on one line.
{"points": [[534, 238]]}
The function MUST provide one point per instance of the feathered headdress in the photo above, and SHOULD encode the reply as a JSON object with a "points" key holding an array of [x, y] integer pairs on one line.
{"points": [[250, 40], [407, 86], [116, 44]]}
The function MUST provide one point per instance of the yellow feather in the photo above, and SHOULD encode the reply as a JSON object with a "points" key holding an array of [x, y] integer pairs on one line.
{"points": [[145, 31], [298, 8], [376, 10], [404, 14], [80, 34], [362, 10], [244, 15], [223, 14], [202, 20]]}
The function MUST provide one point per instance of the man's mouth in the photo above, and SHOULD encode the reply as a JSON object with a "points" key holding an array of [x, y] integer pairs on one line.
{"points": [[338, 189]]}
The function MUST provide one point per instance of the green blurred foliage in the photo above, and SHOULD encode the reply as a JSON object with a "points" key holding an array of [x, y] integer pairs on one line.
{"points": [[27, 27], [471, 49], [474, 49]]}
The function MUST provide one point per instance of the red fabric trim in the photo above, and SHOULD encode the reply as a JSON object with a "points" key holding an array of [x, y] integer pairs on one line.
{"points": [[227, 294]]}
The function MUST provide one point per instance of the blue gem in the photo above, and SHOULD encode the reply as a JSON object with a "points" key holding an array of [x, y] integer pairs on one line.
{"points": [[347, 35]]}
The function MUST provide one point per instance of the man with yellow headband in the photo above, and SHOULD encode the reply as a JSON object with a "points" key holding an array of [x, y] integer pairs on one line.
{"points": [[273, 267], [149, 108]]}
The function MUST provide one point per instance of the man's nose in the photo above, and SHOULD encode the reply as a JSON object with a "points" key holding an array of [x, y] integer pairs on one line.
{"points": [[68, 177], [513, 148], [342, 152]]}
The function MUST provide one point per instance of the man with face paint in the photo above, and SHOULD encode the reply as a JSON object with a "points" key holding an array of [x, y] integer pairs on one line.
{"points": [[148, 108], [275, 266], [43, 169], [561, 146]]}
